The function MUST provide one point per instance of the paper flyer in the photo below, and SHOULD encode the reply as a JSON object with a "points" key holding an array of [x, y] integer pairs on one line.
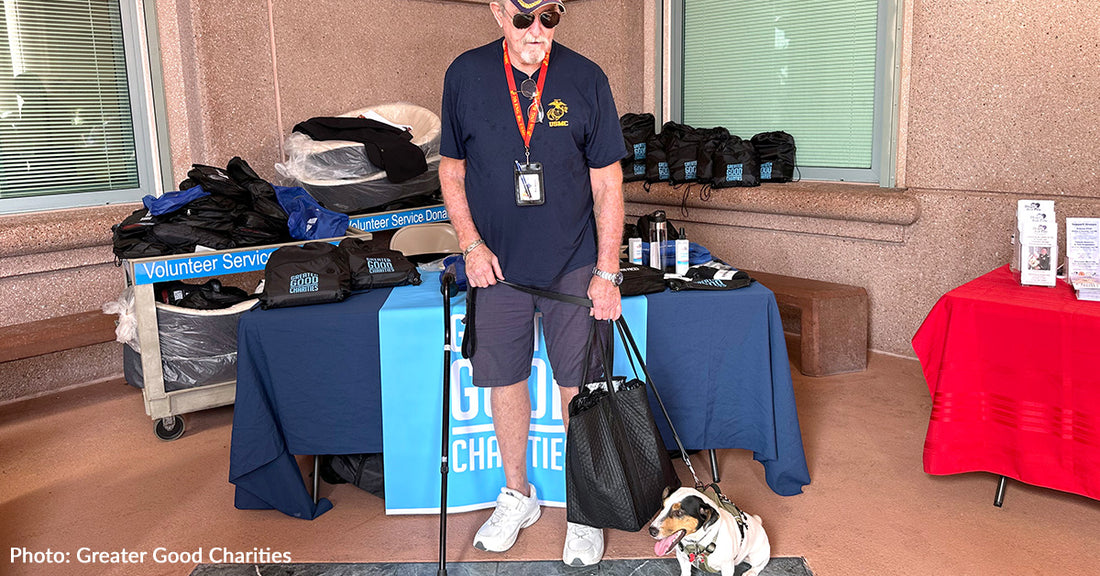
{"points": [[1082, 247], [1037, 231]]}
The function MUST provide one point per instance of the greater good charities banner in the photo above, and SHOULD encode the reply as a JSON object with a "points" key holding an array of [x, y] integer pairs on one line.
{"points": [[410, 326]]}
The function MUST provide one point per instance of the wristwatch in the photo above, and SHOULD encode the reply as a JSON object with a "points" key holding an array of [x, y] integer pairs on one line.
{"points": [[616, 278]]}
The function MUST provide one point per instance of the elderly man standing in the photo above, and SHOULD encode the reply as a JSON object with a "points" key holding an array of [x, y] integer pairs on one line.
{"points": [[531, 179]]}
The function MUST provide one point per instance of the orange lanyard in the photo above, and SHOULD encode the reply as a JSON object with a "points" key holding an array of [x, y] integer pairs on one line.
{"points": [[533, 111]]}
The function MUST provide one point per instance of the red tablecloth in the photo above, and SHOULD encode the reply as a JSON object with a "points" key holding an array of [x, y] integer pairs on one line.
{"points": [[1014, 373]]}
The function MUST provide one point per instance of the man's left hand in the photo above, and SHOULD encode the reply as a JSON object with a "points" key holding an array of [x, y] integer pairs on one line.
{"points": [[606, 301]]}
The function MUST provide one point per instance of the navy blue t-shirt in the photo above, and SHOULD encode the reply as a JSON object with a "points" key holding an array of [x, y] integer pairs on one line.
{"points": [[535, 244]]}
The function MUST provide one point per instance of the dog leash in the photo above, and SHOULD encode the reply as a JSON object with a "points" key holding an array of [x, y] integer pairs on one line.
{"points": [[624, 332]]}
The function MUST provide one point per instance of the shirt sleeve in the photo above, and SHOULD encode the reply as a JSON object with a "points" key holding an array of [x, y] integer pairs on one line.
{"points": [[605, 144], [451, 142]]}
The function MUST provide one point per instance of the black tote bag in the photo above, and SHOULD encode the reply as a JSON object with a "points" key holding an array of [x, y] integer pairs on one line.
{"points": [[616, 466]]}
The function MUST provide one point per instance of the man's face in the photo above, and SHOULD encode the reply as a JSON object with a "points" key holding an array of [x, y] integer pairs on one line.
{"points": [[532, 43]]}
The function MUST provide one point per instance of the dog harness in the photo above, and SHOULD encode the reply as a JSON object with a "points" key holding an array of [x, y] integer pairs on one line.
{"points": [[698, 553]]}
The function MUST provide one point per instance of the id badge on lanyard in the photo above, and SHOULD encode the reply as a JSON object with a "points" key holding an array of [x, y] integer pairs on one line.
{"points": [[529, 189]]}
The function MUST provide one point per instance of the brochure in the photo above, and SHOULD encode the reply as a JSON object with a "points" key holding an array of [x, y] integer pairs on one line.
{"points": [[1087, 287], [1082, 247], [1037, 231]]}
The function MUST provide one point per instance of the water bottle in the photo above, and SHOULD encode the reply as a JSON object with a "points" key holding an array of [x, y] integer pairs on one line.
{"points": [[683, 253], [658, 235]]}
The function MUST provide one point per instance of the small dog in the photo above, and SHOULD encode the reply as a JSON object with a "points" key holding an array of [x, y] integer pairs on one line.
{"points": [[708, 536]]}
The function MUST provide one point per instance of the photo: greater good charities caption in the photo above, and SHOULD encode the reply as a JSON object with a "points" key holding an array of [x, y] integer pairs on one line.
{"points": [[158, 555]]}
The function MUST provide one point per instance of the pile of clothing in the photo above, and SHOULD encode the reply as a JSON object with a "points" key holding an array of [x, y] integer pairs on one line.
{"points": [[220, 209]]}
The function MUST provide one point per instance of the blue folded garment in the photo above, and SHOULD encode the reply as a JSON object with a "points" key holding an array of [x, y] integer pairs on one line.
{"points": [[306, 218], [172, 201]]}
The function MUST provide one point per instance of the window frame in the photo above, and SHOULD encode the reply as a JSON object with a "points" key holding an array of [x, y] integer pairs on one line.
{"points": [[884, 146], [144, 149]]}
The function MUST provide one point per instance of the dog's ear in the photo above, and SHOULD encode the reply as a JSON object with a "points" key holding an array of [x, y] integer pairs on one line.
{"points": [[665, 493], [707, 515]]}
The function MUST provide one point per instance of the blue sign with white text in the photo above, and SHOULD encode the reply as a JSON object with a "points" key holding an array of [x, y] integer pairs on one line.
{"points": [[391, 220], [412, 382], [201, 265]]}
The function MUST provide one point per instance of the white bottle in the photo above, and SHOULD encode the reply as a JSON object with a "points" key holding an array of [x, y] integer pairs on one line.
{"points": [[635, 250], [683, 250]]}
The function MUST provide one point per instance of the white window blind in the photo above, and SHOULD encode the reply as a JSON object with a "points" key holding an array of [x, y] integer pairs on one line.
{"points": [[66, 122], [807, 68]]}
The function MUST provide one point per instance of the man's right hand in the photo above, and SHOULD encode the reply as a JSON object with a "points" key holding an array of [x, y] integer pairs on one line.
{"points": [[482, 267]]}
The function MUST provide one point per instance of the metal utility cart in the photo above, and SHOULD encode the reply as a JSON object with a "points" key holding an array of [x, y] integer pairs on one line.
{"points": [[166, 408]]}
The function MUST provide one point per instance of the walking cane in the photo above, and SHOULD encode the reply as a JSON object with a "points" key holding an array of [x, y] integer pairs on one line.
{"points": [[447, 287]]}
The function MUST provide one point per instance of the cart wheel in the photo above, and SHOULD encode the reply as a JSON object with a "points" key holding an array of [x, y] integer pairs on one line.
{"points": [[169, 428]]}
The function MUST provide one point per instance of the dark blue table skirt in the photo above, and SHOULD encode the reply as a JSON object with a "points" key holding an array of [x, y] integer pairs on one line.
{"points": [[308, 382], [723, 359]]}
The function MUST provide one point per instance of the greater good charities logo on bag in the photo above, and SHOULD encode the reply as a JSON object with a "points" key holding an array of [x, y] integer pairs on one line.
{"points": [[304, 282], [766, 171], [639, 151], [734, 172], [689, 169], [378, 265]]}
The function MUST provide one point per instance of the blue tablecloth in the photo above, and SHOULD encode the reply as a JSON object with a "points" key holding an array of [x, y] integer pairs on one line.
{"points": [[308, 383], [722, 358]]}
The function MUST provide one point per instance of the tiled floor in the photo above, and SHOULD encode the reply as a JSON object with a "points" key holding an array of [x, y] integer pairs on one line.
{"points": [[82, 470], [647, 567]]}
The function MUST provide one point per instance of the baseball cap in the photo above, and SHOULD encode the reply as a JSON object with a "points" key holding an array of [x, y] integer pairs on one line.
{"points": [[529, 6]]}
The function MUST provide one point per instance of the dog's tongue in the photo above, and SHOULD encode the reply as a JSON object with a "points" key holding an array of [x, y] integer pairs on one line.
{"points": [[664, 545]]}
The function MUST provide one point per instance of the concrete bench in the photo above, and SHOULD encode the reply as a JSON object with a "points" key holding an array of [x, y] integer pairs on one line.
{"points": [[40, 337], [833, 319]]}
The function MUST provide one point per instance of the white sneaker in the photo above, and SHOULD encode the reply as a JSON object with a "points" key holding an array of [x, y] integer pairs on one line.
{"points": [[514, 511], [583, 545]]}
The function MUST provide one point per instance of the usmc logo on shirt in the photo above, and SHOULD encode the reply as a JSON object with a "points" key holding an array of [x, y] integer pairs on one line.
{"points": [[557, 111]]}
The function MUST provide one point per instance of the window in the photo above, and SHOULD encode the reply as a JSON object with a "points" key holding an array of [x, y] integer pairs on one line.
{"points": [[820, 70], [73, 129]]}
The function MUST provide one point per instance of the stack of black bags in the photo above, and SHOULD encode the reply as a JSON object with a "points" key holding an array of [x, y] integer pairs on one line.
{"points": [[712, 156], [240, 210]]}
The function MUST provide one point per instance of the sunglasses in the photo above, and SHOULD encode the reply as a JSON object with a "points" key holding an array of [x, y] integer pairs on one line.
{"points": [[547, 19]]}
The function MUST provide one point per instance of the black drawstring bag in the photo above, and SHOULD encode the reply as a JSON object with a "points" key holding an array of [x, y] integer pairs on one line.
{"points": [[638, 129], [638, 279], [656, 161], [681, 144], [132, 237], [776, 152], [314, 273], [211, 295], [374, 266], [707, 152], [713, 275], [735, 164], [365, 471], [617, 468]]}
